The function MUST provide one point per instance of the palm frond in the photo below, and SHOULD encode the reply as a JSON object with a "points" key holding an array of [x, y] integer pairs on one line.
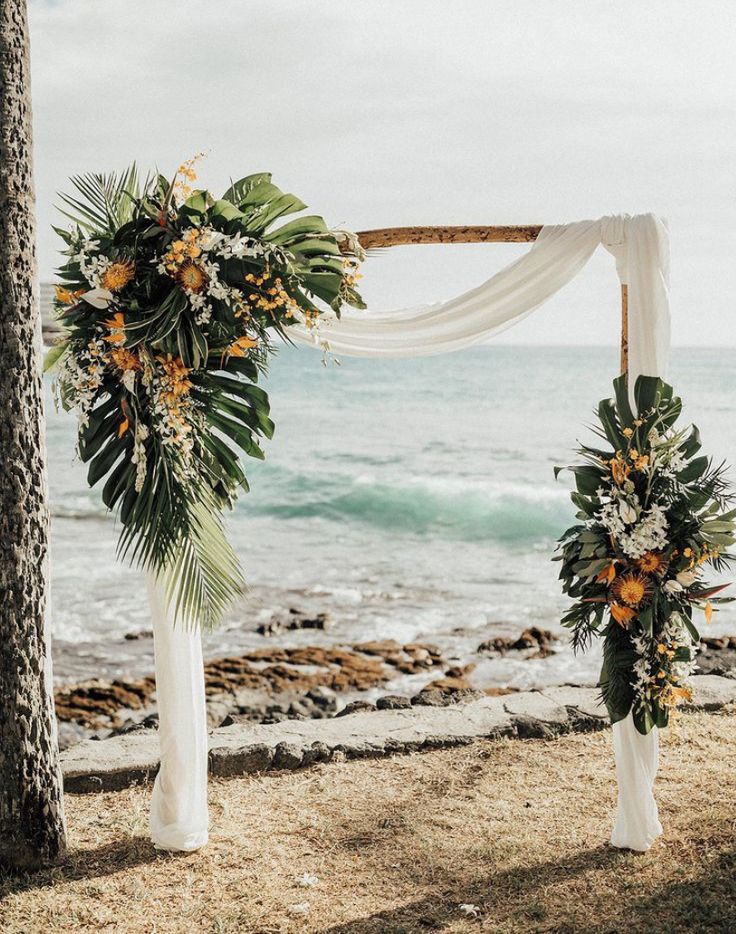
{"points": [[105, 202]]}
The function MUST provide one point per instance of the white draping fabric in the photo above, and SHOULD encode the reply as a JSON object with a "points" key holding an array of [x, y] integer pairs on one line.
{"points": [[640, 245], [178, 816]]}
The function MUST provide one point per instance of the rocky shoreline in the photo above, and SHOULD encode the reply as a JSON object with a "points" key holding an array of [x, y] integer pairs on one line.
{"points": [[274, 684]]}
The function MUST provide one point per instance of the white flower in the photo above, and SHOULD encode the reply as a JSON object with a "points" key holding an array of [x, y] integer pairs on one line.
{"points": [[308, 880], [673, 587], [470, 911], [627, 512], [687, 578], [98, 298]]}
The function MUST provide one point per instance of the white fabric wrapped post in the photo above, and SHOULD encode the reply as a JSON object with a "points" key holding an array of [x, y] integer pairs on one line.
{"points": [[640, 245], [178, 816], [641, 248]]}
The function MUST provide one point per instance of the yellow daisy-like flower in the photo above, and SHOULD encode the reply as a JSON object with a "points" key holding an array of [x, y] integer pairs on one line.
{"points": [[117, 276], [632, 588], [652, 562], [191, 276]]}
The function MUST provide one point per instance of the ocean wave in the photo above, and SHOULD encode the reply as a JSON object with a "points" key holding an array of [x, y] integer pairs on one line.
{"points": [[453, 508]]}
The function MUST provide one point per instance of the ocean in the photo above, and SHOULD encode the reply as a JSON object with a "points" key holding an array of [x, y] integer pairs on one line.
{"points": [[411, 499]]}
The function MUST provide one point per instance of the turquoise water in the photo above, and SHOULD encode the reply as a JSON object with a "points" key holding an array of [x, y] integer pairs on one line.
{"points": [[413, 499]]}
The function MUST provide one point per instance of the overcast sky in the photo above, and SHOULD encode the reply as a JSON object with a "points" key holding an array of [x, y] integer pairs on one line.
{"points": [[420, 112]]}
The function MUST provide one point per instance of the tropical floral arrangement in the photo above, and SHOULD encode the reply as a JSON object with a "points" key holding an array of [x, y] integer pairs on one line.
{"points": [[171, 300], [652, 515]]}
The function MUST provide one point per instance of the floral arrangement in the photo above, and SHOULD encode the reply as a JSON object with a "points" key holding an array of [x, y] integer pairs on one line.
{"points": [[170, 299], [651, 516]]}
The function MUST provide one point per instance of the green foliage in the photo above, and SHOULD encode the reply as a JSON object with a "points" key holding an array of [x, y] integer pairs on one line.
{"points": [[171, 299], [651, 514]]}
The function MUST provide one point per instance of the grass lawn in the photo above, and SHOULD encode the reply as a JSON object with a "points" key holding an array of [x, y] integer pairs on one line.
{"points": [[515, 831]]}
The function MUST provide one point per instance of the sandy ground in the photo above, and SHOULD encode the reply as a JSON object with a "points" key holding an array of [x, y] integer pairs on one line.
{"points": [[497, 836]]}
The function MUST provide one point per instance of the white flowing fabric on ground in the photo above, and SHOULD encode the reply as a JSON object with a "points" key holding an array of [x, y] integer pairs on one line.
{"points": [[178, 818], [641, 247]]}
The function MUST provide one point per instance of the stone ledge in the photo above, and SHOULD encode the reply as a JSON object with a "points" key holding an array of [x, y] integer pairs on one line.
{"points": [[112, 764]]}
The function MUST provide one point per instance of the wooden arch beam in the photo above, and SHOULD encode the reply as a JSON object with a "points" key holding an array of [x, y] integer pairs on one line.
{"points": [[383, 237], [401, 236]]}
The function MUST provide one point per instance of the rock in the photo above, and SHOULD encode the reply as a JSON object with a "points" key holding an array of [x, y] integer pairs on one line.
{"points": [[532, 705], [717, 656], [356, 706], [499, 692], [296, 619], [288, 756], [711, 692], [323, 698], [304, 679], [585, 708], [432, 698], [130, 726], [393, 702], [539, 642], [254, 758], [141, 634], [531, 728]]}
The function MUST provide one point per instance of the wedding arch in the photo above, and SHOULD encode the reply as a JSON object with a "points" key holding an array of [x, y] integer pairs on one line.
{"points": [[170, 300], [640, 246]]}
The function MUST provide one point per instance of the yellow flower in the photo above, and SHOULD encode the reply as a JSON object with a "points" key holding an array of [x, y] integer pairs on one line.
{"points": [[619, 470], [117, 276], [632, 588], [628, 432], [117, 327], [708, 610], [607, 574], [66, 296], [652, 562], [125, 359], [622, 614], [239, 347]]}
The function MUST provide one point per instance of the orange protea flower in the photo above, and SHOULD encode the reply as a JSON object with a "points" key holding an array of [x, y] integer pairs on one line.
{"points": [[622, 614], [125, 359], [239, 347], [117, 327], [653, 562], [191, 276], [632, 588], [118, 275], [619, 470]]}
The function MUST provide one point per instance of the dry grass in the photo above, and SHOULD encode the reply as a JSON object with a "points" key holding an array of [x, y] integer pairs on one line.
{"points": [[517, 829]]}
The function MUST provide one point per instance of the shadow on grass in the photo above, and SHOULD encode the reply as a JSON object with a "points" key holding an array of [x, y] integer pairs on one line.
{"points": [[514, 900], [85, 864]]}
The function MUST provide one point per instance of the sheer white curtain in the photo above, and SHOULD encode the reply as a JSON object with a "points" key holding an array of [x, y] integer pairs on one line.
{"points": [[640, 245]]}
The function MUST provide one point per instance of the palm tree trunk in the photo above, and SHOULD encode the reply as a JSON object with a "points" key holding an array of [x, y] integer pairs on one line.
{"points": [[31, 804]]}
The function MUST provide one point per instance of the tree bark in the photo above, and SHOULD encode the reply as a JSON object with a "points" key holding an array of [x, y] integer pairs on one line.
{"points": [[31, 804]]}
